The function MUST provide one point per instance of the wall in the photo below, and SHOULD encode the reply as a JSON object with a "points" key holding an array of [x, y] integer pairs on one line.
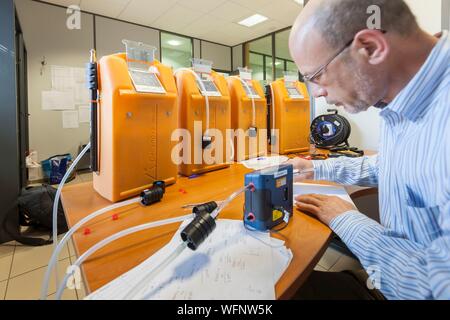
{"points": [[197, 48], [428, 14], [365, 126], [237, 57], [46, 35], [445, 14], [110, 33], [220, 55], [9, 162]]}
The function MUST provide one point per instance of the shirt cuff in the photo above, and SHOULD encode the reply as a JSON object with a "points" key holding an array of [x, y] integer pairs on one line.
{"points": [[350, 225]]}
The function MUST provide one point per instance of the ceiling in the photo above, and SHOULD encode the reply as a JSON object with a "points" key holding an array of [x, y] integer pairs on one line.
{"points": [[213, 20]]}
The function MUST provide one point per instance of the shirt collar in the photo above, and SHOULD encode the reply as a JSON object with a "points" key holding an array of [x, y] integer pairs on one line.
{"points": [[411, 101]]}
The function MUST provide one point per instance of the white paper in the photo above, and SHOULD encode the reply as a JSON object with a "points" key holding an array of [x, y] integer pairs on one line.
{"points": [[281, 257], [81, 94], [84, 114], [57, 100], [230, 264], [62, 78], [264, 162], [70, 119], [307, 188], [79, 75]]}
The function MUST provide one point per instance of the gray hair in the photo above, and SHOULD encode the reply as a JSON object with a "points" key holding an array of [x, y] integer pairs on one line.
{"points": [[340, 20]]}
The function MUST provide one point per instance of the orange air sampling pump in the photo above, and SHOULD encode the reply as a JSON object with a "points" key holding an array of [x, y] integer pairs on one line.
{"points": [[137, 114], [248, 116], [289, 116], [205, 115]]}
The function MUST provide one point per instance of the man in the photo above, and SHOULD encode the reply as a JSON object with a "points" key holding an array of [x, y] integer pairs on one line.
{"points": [[406, 72]]}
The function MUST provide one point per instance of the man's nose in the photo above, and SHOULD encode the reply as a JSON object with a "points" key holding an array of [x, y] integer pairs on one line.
{"points": [[318, 91]]}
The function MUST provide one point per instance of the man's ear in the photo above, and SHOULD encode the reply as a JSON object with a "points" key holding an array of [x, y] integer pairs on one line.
{"points": [[372, 44]]}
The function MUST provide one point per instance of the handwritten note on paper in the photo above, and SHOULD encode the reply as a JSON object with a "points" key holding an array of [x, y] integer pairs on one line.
{"points": [[230, 264]]}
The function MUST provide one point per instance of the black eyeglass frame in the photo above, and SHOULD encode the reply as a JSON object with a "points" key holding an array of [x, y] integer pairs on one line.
{"points": [[312, 78]]}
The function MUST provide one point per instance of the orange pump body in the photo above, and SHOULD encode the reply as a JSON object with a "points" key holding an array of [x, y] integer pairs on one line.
{"points": [[134, 135], [242, 118], [292, 119], [192, 108]]}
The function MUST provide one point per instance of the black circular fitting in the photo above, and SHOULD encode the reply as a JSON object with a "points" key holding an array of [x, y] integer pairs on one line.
{"points": [[208, 207], [198, 230], [154, 194]]}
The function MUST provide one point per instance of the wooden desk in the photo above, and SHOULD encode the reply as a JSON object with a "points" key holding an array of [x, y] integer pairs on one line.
{"points": [[305, 236]]}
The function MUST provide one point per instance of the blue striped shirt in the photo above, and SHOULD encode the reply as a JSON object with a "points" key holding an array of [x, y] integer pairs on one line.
{"points": [[410, 249]]}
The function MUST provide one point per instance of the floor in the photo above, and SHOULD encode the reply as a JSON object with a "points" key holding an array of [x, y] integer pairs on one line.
{"points": [[22, 268]]}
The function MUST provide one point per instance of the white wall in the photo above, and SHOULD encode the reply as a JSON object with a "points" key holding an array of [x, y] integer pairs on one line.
{"points": [[237, 57], [365, 126], [220, 55], [110, 33], [197, 48], [428, 14], [445, 14], [46, 35]]}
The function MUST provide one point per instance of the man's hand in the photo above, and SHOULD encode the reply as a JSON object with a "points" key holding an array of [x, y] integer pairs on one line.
{"points": [[324, 208], [300, 165]]}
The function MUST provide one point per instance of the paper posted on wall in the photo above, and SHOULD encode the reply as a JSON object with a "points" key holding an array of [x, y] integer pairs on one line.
{"points": [[57, 100], [84, 114], [70, 119]]}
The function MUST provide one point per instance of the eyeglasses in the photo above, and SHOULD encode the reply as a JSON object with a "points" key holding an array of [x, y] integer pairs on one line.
{"points": [[315, 75]]}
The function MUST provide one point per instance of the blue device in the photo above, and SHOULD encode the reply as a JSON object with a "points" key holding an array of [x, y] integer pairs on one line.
{"points": [[270, 201]]}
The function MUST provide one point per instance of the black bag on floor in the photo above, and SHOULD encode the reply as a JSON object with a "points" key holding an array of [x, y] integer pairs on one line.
{"points": [[35, 211]]}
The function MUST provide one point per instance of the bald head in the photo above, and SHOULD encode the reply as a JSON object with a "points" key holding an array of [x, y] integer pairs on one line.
{"points": [[354, 76], [337, 21]]}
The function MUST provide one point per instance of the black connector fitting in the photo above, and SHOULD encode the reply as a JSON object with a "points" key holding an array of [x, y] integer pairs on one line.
{"points": [[198, 230], [208, 207], [154, 194], [92, 76]]}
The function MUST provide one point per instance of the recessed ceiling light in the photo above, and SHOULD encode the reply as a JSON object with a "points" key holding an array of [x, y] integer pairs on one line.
{"points": [[174, 43], [253, 20]]}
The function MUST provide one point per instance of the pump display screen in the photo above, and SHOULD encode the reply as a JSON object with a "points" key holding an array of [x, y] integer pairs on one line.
{"points": [[294, 93], [211, 89], [145, 81], [252, 93]]}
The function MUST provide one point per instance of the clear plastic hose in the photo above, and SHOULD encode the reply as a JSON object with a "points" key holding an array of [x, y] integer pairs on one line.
{"points": [[226, 202], [112, 238], [54, 258], [253, 99], [202, 87], [56, 201]]}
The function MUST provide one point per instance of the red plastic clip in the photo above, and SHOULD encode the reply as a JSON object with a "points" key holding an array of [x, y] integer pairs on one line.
{"points": [[182, 191], [115, 217], [87, 231], [252, 187]]}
